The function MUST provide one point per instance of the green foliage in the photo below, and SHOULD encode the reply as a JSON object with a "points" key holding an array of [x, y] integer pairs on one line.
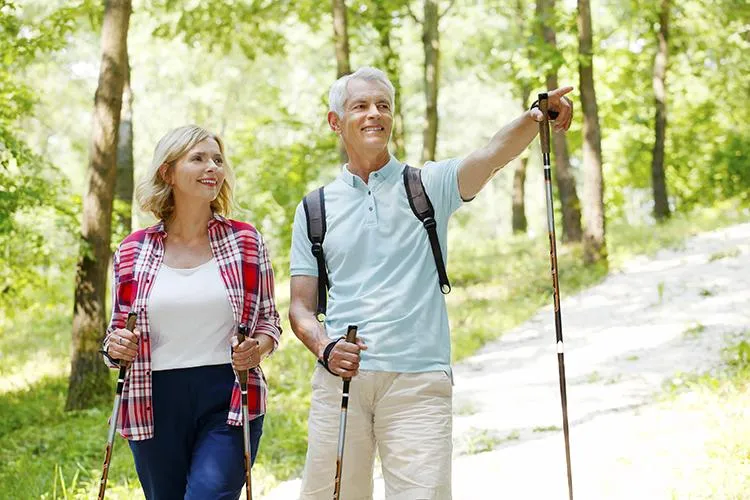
{"points": [[273, 178], [500, 283], [254, 27], [33, 194], [708, 139]]}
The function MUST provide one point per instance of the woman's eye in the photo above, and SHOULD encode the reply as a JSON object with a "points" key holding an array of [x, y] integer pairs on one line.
{"points": [[219, 161]]}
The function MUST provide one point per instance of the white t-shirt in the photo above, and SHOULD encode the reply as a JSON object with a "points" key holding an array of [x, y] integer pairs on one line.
{"points": [[190, 318]]}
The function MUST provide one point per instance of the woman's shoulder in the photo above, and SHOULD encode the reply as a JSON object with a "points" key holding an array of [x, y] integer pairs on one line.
{"points": [[140, 235], [243, 227]]}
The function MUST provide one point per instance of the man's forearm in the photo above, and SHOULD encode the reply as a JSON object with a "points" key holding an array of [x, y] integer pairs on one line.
{"points": [[509, 142], [310, 332]]}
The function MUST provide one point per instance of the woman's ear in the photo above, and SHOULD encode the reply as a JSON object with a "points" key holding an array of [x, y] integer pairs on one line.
{"points": [[165, 173]]}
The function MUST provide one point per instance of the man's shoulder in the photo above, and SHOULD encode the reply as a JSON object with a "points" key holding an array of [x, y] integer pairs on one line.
{"points": [[438, 165]]}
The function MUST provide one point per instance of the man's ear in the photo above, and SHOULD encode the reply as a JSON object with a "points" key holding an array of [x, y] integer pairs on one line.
{"points": [[165, 173], [334, 122]]}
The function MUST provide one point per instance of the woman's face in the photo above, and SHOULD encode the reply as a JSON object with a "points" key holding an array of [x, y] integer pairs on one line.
{"points": [[199, 174]]}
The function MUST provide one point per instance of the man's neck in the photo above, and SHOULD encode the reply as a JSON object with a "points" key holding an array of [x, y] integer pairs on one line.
{"points": [[362, 165]]}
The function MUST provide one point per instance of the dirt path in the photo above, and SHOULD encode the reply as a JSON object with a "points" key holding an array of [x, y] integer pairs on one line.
{"points": [[623, 339]]}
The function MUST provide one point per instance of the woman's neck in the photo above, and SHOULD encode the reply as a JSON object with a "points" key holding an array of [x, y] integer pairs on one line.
{"points": [[189, 222]]}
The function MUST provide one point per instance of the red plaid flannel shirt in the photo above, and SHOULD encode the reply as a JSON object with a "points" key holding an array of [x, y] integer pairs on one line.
{"points": [[247, 274]]}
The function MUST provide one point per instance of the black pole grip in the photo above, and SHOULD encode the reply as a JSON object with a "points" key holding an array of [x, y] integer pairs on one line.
{"points": [[351, 337], [544, 124], [241, 336]]}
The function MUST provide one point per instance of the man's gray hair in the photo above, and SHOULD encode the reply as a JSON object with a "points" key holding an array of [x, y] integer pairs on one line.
{"points": [[339, 92]]}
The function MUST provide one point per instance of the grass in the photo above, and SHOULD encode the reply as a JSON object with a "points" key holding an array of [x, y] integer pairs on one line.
{"points": [[48, 453], [695, 330], [721, 397], [483, 440], [734, 252]]}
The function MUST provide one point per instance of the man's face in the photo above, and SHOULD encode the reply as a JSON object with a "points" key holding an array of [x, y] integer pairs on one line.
{"points": [[368, 117]]}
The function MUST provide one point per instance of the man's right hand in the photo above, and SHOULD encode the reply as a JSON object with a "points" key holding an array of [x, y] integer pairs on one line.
{"points": [[123, 344], [344, 358]]}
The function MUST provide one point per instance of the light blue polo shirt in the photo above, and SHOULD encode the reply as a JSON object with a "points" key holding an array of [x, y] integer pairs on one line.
{"points": [[380, 266]]}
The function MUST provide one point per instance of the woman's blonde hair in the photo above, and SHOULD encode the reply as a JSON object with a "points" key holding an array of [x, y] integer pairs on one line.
{"points": [[155, 195]]}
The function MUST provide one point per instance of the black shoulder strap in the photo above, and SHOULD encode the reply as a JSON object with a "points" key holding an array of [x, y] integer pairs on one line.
{"points": [[315, 213], [422, 207]]}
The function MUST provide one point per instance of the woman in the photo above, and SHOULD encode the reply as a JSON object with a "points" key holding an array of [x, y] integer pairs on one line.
{"points": [[192, 279]]}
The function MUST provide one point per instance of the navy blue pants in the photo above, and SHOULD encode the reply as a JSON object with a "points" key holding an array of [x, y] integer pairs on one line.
{"points": [[194, 454]]}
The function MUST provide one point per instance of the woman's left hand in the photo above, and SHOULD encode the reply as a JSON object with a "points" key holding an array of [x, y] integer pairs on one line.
{"points": [[245, 355]]}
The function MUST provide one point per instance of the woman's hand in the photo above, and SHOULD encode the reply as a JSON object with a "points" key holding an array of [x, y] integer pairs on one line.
{"points": [[123, 344], [245, 355]]}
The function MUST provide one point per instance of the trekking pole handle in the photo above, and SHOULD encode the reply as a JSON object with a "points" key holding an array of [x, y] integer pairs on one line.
{"points": [[130, 323], [544, 124], [351, 337], [129, 326], [241, 336]]}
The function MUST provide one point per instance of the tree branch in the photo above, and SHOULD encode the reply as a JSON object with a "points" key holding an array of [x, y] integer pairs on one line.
{"points": [[440, 16], [411, 14]]}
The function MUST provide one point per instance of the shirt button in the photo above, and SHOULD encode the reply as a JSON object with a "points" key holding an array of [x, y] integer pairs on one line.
{"points": [[370, 209], [369, 193], [375, 174]]}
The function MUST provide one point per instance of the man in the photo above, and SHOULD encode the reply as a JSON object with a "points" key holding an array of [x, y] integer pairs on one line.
{"points": [[383, 278]]}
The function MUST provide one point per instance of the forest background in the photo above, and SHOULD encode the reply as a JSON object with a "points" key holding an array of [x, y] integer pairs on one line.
{"points": [[657, 151]]}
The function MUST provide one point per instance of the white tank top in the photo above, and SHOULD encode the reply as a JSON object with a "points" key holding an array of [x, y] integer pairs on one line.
{"points": [[190, 318]]}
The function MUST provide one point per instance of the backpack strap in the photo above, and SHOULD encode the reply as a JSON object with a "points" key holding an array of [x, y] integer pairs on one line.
{"points": [[315, 213], [422, 207]]}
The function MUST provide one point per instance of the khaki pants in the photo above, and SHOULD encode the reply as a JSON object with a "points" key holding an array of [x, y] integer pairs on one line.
{"points": [[407, 416]]}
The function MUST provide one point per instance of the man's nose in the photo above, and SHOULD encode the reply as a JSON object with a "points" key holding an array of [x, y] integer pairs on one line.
{"points": [[373, 110]]}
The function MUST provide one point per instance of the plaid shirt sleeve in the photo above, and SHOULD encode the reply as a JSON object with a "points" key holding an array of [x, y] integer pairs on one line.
{"points": [[269, 322], [117, 319]]}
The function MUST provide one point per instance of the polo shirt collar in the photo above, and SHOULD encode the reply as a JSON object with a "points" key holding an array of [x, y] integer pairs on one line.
{"points": [[393, 167]]}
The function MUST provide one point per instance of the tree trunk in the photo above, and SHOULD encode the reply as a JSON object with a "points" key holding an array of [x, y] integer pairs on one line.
{"points": [[658, 181], [594, 244], [89, 379], [341, 42], [518, 220], [124, 183], [431, 44], [519, 196], [391, 64], [566, 182]]}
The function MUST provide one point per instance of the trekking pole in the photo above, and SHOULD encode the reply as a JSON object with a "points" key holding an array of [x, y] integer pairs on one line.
{"points": [[129, 325], [544, 139], [351, 337], [242, 376]]}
